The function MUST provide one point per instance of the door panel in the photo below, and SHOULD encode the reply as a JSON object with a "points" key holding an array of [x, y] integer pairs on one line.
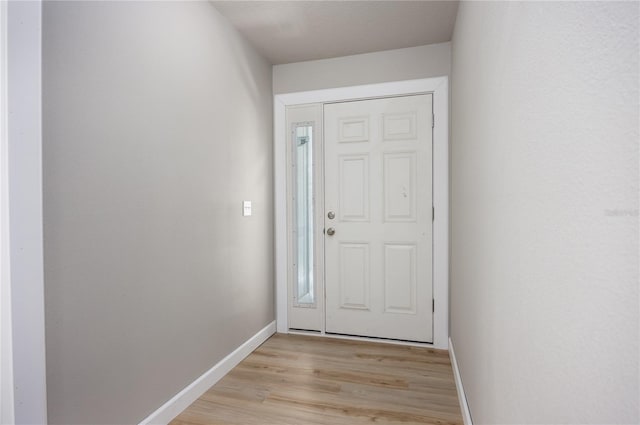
{"points": [[399, 190], [354, 190], [400, 278], [354, 276], [378, 189]]}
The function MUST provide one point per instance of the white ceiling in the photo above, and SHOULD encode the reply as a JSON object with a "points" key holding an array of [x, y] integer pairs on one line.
{"points": [[294, 31]]}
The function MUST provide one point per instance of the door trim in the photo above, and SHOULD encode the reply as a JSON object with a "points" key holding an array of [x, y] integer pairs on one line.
{"points": [[439, 87], [23, 324]]}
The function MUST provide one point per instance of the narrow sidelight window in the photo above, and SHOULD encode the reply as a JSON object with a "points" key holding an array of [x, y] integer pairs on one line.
{"points": [[303, 201]]}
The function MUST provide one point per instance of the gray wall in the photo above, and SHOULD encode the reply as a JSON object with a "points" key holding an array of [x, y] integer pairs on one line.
{"points": [[157, 124], [411, 63], [544, 266]]}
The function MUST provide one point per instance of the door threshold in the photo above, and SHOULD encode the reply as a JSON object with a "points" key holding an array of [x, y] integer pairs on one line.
{"points": [[364, 338], [303, 331]]}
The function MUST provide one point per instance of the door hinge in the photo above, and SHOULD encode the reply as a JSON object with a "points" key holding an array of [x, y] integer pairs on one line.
{"points": [[433, 213], [433, 120], [433, 305]]}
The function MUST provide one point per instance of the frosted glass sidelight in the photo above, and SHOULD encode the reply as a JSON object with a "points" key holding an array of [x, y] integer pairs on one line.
{"points": [[303, 213]]}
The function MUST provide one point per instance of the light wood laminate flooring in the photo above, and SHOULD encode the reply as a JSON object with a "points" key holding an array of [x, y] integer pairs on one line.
{"points": [[299, 379]]}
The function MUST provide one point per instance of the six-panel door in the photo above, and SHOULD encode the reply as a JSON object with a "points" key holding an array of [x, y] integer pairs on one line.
{"points": [[378, 188]]}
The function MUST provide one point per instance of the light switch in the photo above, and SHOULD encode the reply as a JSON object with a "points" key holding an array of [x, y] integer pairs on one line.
{"points": [[246, 208]]}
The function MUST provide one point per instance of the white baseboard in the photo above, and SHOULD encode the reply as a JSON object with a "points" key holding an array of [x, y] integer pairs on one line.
{"points": [[462, 398], [172, 408]]}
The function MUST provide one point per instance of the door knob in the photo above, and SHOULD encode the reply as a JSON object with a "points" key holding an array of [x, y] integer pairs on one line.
{"points": [[331, 215], [331, 231]]}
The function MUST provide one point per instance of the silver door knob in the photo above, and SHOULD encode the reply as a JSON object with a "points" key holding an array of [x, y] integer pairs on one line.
{"points": [[331, 231], [331, 215]]}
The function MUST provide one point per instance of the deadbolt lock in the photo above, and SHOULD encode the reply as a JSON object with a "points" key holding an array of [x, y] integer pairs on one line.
{"points": [[331, 215]]}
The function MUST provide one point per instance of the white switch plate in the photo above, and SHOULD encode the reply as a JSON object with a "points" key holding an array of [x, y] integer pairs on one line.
{"points": [[246, 208]]}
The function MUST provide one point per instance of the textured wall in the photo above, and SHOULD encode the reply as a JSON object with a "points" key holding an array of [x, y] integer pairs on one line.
{"points": [[411, 63], [157, 124], [544, 267]]}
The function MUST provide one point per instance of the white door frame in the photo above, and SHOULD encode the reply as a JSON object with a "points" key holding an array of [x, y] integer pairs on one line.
{"points": [[22, 357], [6, 346], [439, 86]]}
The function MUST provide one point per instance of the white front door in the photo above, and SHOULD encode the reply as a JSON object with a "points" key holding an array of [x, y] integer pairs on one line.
{"points": [[378, 218]]}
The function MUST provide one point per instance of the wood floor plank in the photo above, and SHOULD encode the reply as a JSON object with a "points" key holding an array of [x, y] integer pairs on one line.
{"points": [[307, 380]]}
